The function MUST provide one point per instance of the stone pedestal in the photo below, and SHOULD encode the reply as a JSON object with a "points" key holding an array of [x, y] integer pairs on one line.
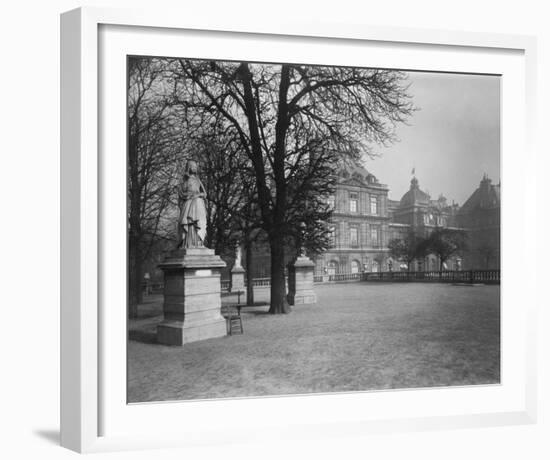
{"points": [[300, 282], [192, 297], [237, 279]]}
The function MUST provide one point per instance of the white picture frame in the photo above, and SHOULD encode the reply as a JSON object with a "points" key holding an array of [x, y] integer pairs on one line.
{"points": [[94, 415]]}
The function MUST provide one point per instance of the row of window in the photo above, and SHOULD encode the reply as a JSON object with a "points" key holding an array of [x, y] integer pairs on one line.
{"points": [[354, 203], [374, 234], [430, 219], [334, 268]]}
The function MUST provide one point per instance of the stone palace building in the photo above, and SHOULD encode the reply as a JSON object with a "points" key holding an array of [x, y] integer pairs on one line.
{"points": [[365, 219]]}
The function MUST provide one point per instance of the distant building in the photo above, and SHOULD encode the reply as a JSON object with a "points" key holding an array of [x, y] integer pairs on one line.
{"points": [[364, 220], [359, 224], [480, 217]]}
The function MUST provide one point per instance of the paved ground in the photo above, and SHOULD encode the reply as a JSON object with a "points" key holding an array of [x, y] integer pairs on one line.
{"points": [[359, 336]]}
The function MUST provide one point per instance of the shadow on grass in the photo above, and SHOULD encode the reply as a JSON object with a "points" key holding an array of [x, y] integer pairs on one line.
{"points": [[148, 315], [254, 309], [256, 312], [139, 335]]}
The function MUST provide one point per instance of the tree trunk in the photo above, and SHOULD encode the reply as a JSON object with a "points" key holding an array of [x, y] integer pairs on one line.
{"points": [[249, 278], [134, 285], [135, 296], [279, 302]]}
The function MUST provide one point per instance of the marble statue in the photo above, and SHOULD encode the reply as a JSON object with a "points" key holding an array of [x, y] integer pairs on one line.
{"points": [[192, 218], [238, 256]]}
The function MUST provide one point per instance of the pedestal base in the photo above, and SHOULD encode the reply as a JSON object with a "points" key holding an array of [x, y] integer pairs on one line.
{"points": [[177, 332], [302, 298], [237, 279], [300, 282], [192, 297]]}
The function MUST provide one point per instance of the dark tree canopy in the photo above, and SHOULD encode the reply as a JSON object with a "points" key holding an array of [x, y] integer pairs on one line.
{"points": [[154, 147], [446, 243], [269, 138], [408, 249], [230, 188]]}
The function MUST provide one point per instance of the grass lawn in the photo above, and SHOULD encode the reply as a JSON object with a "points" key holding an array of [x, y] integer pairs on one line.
{"points": [[359, 336]]}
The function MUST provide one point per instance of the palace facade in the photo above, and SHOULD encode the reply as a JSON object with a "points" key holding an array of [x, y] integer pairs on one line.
{"points": [[365, 219]]}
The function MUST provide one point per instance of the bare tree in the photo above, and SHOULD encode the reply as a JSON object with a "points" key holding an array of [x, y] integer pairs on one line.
{"points": [[296, 124], [154, 143], [227, 183], [232, 201]]}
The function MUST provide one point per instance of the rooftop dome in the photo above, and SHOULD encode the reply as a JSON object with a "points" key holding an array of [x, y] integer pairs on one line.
{"points": [[415, 195]]}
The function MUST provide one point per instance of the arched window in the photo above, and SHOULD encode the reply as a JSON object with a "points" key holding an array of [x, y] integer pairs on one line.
{"points": [[332, 267], [355, 266], [375, 266]]}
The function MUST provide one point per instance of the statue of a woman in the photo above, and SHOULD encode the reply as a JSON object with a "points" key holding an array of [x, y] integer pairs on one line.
{"points": [[238, 256], [192, 219]]}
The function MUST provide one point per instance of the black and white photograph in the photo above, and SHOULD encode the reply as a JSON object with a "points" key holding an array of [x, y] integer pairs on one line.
{"points": [[275, 230], [299, 229]]}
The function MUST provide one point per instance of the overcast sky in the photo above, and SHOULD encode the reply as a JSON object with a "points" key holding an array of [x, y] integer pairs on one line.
{"points": [[451, 140]]}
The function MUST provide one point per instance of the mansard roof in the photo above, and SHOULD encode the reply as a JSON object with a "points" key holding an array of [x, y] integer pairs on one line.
{"points": [[415, 196], [356, 172], [486, 196]]}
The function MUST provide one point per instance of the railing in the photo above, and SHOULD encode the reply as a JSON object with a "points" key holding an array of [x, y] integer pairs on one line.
{"points": [[457, 276], [150, 288], [345, 277], [463, 276], [256, 282], [259, 282], [337, 277], [157, 287]]}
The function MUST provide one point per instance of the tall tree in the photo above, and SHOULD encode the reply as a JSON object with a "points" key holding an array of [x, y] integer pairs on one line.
{"points": [[296, 124], [407, 249], [446, 243], [153, 146], [228, 185], [232, 202]]}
